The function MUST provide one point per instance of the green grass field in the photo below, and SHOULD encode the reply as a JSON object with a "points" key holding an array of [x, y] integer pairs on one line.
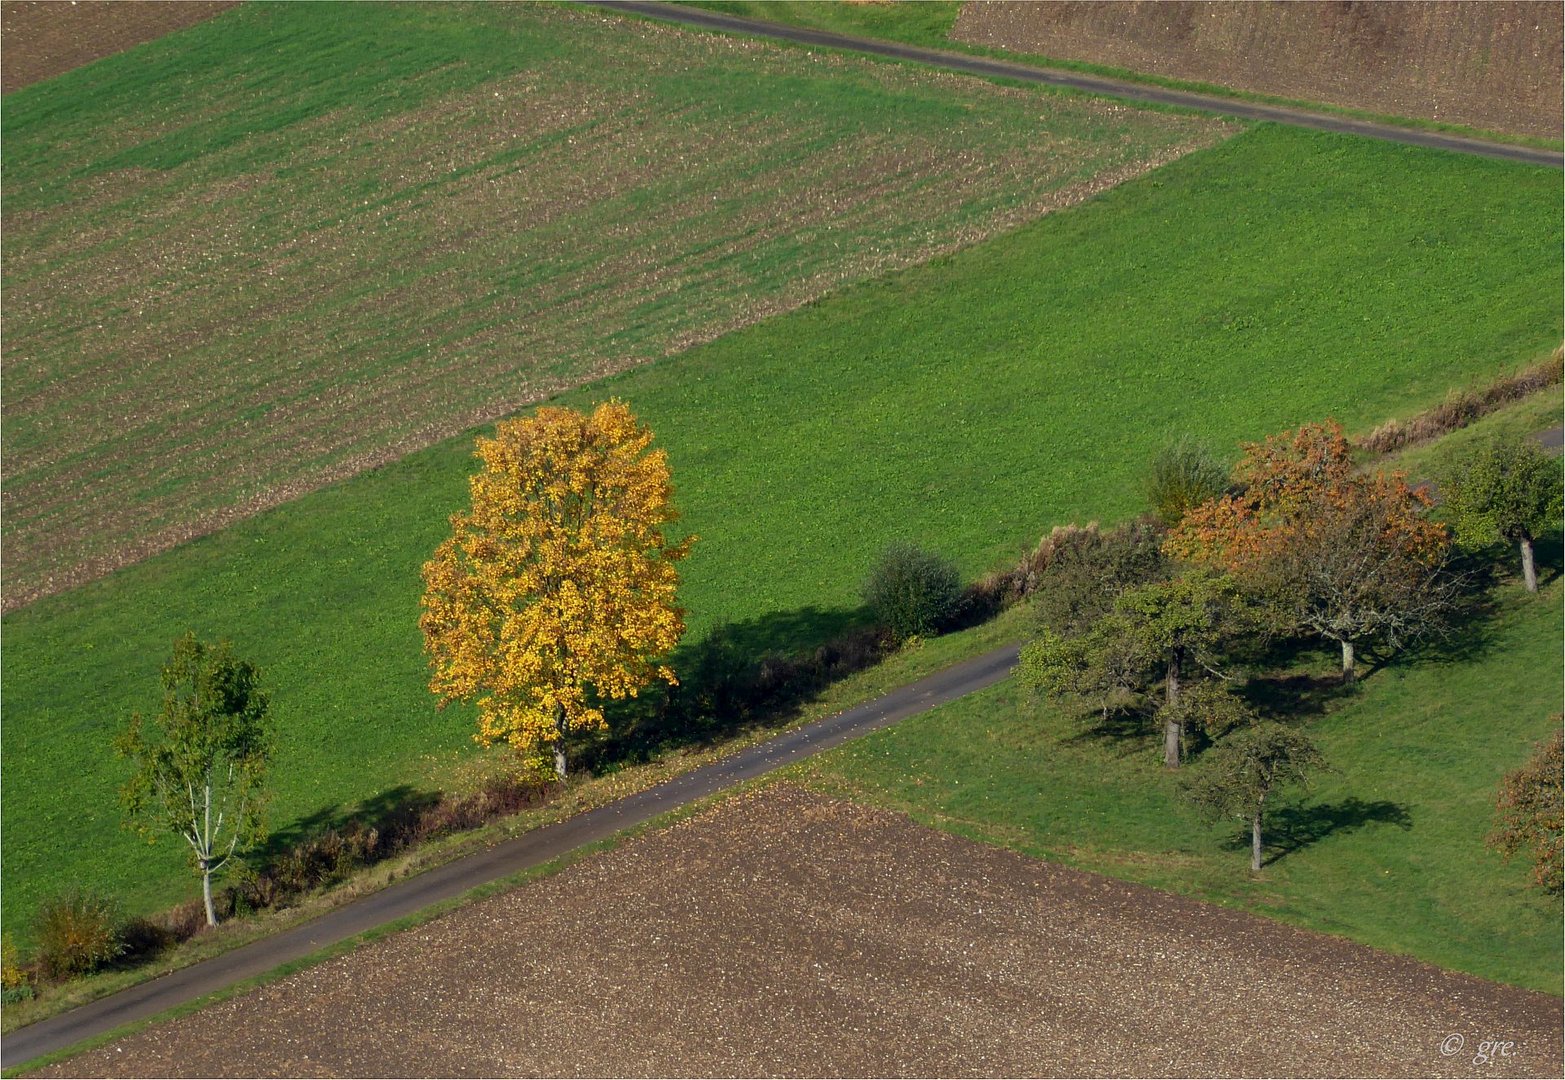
{"points": [[301, 240], [968, 404]]}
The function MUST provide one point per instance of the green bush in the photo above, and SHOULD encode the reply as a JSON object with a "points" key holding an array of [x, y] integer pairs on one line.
{"points": [[1088, 569], [1184, 474], [912, 592], [77, 932]]}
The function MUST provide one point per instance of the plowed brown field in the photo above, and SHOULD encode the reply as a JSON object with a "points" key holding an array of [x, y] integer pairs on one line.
{"points": [[1490, 64], [781, 934]]}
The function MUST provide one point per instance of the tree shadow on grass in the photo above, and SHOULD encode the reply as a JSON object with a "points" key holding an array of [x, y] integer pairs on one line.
{"points": [[757, 672], [1288, 829], [382, 811], [1293, 695], [1122, 732]]}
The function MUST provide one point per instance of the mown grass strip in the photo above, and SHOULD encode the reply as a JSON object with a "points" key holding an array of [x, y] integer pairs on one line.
{"points": [[968, 405]]}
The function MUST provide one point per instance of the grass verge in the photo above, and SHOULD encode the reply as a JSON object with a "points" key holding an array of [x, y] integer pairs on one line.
{"points": [[584, 793]]}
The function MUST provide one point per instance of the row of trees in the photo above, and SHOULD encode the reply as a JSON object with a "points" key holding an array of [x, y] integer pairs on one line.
{"points": [[555, 594]]}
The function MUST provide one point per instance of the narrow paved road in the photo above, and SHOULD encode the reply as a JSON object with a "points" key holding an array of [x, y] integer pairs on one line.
{"points": [[1094, 84], [531, 849]]}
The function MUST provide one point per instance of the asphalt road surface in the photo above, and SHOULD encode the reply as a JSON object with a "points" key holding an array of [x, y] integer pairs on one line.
{"points": [[1094, 84]]}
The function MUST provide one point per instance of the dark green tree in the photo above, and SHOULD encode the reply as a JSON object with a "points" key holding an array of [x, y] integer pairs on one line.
{"points": [[200, 765], [1164, 632], [1509, 490], [912, 592], [1243, 771]]}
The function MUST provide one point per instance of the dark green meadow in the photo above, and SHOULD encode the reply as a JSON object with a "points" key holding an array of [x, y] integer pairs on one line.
{"points": [[967, 404]]}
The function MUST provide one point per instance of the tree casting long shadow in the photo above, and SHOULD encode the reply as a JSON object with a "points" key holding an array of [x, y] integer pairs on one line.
{"points": [[1292, 828]]}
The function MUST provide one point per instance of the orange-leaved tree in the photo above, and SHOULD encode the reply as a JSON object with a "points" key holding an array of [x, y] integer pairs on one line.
{"points": [[1348, 556], [556, 590]]}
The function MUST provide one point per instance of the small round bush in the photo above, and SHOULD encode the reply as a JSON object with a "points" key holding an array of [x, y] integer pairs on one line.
{"points": [[77, 932], [1184, 475], [912, 592]]}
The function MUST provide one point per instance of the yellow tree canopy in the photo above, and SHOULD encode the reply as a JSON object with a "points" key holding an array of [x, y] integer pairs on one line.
{"points": [[557, 588]]}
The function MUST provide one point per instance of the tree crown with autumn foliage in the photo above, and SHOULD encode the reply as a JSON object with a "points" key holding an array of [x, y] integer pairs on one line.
{"points": [[1346, 555], [556, 589]]}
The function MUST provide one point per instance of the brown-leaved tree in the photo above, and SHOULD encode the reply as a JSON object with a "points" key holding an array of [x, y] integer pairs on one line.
{"points": [[1347, 556], [556, 590]]}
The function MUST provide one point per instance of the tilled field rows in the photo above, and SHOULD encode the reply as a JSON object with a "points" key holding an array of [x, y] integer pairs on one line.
{"points": [[781, 934], [191, 343]]}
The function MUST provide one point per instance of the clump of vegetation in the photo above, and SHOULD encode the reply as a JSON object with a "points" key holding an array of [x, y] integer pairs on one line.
{"points": [[1509, 490], [1335, 553], [1087, 571], [912, 592], [1529, 812], [16, 982], [77, 932], [1184, 474]]}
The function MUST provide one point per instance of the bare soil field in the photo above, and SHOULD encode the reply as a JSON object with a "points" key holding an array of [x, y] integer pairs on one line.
{"points": [[782, 934], [255, 301], [43, 38], [1490, 64]]}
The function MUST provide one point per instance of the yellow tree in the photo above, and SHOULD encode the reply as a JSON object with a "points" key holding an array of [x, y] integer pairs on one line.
{"points": [[556, 590]]}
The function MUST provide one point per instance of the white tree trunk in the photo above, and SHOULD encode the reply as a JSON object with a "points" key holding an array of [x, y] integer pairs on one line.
{"points": [[1348, 674], [559, 761], [206, 893]]}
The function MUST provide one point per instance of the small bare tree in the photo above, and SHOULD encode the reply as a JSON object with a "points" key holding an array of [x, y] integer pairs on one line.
{"points": [[201, 763]]}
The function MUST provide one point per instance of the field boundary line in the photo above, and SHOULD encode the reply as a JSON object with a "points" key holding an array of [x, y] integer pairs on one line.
{"points": [[1092, 84]]}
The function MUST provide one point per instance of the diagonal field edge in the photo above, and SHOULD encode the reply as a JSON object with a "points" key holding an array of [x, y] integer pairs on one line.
{"points": [[534, 848], [1092, 84]]}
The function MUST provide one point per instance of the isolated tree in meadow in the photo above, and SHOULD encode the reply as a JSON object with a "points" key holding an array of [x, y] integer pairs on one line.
{"points": [[1509, 490], [556, 590], [1530, 810], [1239, 775], [201, 764], [1346, 556]]}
